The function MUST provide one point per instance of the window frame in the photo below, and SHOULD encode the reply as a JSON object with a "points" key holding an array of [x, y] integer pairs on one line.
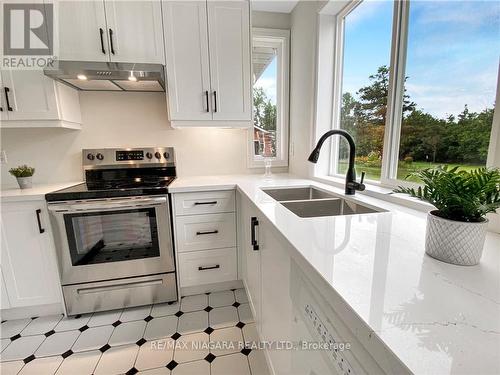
{"points": [[279, 38], [392, 133]]}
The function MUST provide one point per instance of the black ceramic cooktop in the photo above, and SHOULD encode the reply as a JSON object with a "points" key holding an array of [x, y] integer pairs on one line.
{"points": [[116, 183]]}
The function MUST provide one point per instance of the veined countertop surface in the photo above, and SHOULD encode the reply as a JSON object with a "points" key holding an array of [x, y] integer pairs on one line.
{"points": [[37, 192], [437, 318]]}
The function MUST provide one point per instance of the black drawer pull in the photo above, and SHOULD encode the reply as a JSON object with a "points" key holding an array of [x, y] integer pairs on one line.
{"points": [[101, 34], [40, 229], [204, 203], [207, 232], [7, 90], [111, 41], [209, 268], [254, 223]]}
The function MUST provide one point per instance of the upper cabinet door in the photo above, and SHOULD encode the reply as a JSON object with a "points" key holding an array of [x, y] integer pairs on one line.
{"points": [[80, 30], [135, 31], [28, 95], [229, 36], [186, 49]]}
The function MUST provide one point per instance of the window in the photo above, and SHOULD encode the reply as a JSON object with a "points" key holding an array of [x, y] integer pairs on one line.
{"points": [[365, 80], [415, 82], [269, 137], [450, 84]]}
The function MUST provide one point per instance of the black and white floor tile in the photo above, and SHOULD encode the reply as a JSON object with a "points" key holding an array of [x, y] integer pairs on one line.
{"points": [[202, 334]]}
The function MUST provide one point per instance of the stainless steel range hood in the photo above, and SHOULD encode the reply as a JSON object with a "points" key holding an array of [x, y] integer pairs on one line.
{"points": [[109, 76]]}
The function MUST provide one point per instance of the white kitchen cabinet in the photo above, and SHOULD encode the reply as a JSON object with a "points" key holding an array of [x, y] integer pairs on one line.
{"points": [[276, 304], [118, 31], [135, 31], [205, 237], [29, 266], [4, 298], [202, 232], [208, 266], [80, 31], [229, 38], [249, 255], [266, 273], [207, 45], [31, 99], [187, 61]]}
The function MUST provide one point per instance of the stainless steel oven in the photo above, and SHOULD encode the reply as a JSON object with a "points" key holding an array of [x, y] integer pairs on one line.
{"points": [[113, 238], [113, 233]]}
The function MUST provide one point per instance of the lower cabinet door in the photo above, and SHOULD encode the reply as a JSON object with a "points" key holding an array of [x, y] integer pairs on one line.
{"points": [[29, 266], [207, 266]]}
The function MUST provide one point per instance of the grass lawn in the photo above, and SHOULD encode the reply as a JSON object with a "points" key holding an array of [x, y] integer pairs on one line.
{"points": [[373, 173]]}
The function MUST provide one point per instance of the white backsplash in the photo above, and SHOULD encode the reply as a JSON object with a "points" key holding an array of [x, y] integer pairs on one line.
{"points": [[121, 120]]}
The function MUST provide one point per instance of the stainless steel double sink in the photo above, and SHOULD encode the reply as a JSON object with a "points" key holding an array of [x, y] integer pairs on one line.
{"points": [[313, 202]]}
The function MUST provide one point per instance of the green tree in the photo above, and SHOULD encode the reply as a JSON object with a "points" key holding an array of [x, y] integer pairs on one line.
{"points": [[373, 98], [264, 110]]}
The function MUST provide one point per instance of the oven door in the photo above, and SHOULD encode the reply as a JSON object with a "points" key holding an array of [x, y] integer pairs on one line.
{"points": [[113, 238]]}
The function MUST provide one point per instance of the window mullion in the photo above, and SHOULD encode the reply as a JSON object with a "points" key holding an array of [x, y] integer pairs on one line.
{"points": [[396, 91]]}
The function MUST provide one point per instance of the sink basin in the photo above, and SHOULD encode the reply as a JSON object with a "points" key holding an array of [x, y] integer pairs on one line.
{"points": [[328, 207], [297, 194]]}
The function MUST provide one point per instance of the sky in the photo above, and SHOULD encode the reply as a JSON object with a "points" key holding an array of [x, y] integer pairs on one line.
{"points": [[453, 52], [268, 81]]}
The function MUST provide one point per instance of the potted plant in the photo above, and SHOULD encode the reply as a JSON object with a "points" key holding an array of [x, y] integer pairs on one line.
{"points": [[456, 230], [24, 175]]}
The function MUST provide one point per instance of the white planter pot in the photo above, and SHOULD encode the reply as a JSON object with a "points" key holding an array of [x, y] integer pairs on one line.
{"points": [[455, 242], [25, 182]]}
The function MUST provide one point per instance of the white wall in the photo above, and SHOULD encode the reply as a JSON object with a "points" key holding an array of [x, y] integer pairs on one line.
{"points": [[119, 120], [302, 84], [271, 20]]}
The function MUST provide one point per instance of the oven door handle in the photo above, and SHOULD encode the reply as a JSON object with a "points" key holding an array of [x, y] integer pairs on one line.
{"points": [[108, 205]]}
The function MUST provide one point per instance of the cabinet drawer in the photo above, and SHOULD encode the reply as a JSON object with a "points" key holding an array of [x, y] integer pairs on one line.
{"points": [[208, 266], [208, 202], [103, 295], [203, 232]]}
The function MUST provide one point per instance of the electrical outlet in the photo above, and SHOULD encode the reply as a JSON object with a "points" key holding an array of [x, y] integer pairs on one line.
{"points": [[3, 157]]}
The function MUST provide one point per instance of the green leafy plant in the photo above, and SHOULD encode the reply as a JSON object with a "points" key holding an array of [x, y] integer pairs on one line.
{"points": [[458, 195], [22, 171]]}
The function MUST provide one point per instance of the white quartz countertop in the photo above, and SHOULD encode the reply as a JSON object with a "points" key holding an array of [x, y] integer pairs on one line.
{"points": [[435, 317], [37, 192]]}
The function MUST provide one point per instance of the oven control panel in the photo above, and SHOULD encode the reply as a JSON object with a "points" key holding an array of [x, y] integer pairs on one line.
{"points": [[129, 155], [114, 157]]}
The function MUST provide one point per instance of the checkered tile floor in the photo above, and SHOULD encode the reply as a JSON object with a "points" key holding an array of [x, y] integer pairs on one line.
{"points": [[203, 334]]}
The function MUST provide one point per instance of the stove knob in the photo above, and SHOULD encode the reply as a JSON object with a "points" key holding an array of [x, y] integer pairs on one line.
{"points": [[157, 155], [166, 155], [99, 156], [149, 155], [90, 156]]}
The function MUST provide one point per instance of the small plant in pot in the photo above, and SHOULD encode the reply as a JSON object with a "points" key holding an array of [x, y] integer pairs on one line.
{"points": [[456, 230], [24, 175]]}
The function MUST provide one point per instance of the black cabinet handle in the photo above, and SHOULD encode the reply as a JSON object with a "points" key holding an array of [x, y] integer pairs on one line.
{"points": [[208, 106], [38, 212], [215, 101], [207, 232], [7, 90], [209, 268], [204, 203], [111, 41], [101, 33], [254, 223]]}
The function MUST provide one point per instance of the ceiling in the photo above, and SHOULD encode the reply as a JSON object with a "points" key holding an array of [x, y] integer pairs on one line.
{"points": [[279, 6]]}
